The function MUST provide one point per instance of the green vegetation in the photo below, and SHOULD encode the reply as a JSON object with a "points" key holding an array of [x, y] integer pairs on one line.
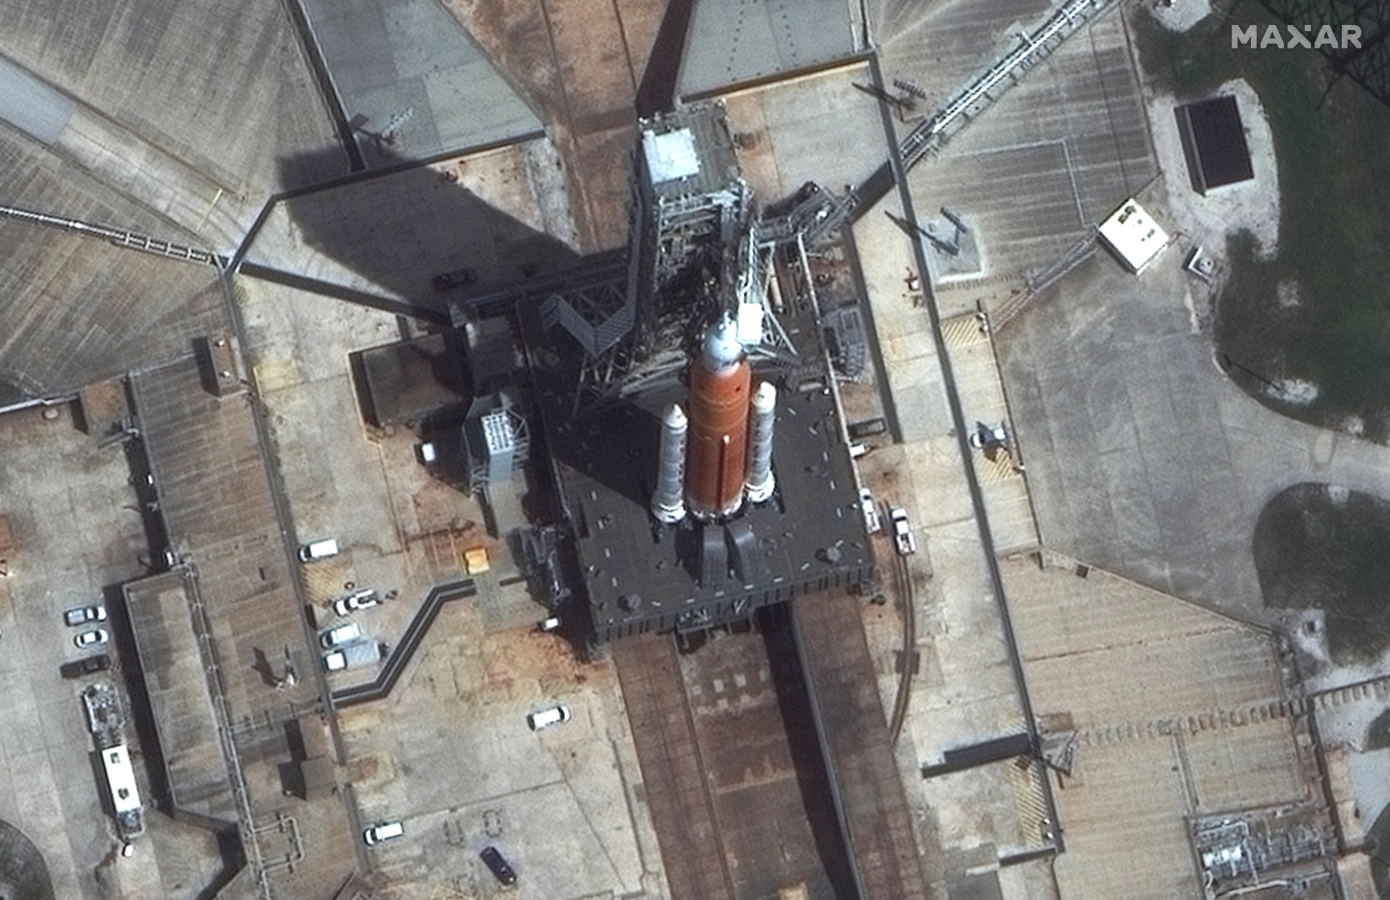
{"points": [[1322, 548], [23, 874], [1333, 151], [1378, 734]]}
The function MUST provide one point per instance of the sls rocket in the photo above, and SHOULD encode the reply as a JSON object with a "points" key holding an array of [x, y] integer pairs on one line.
{"points": [[717, 448], [719, 463]]}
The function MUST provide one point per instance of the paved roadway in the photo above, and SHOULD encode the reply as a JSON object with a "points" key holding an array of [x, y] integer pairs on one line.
{"points": [[730, 762], [1144, 458], [672, 771], [869, 794]]}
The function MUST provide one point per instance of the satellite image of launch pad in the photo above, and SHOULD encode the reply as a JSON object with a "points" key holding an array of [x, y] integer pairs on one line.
{"points": [[693, 449]]}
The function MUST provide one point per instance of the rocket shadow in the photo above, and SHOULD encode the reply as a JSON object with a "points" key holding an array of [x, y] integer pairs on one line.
{"points": [[396, 229], [615, 446]]}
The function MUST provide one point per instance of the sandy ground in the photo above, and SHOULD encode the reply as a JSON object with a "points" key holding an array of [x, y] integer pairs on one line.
{"points": [[1206, 221], [1246, 206], [1180, 15]]}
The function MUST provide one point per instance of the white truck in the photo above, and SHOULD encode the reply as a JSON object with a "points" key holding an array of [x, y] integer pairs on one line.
{"points": [[320, 549], [352, 656], [902, 531], [869, 510]]}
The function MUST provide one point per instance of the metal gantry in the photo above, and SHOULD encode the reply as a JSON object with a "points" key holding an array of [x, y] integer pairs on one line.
{"points": [[117, 236], [1368, 64], [1003, 74]]}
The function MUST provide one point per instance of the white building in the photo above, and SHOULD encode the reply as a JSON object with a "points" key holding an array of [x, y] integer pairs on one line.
{"points": [[1133, 236]]}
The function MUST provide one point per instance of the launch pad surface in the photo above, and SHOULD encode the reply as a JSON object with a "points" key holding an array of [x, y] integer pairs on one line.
{"points": [[757, 781], [640, 575]]}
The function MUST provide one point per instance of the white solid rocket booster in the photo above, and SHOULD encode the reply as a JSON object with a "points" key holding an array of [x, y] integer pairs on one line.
{"points": [[759, 482], [668, 500]]}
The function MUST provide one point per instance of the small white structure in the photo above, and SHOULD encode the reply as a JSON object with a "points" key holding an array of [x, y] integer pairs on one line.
{"points": [[120, 779], [1133, 236], [671, 155]]}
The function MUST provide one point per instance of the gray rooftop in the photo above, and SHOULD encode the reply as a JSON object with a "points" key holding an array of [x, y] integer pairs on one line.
{"points": [[733, 41], [177, 686], [390, 59], [689, 152]]}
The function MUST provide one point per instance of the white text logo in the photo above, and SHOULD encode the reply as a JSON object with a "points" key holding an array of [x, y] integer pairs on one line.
{"points": [[1249, 36]]}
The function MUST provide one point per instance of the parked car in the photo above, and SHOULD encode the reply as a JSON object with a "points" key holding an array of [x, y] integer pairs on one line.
{"points": [[987, 437], [357, 600], [87, 665], [382, 831], [498, 864], [902, 531], [81, 615], [343, 634], [445, 281], [870, 511], [94, 638], [544, 718]]}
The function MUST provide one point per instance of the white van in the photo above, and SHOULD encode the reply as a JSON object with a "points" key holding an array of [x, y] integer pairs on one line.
{"points": [[870, 511], [546, 717], [321, 549], [343, 634], [382, 832]]}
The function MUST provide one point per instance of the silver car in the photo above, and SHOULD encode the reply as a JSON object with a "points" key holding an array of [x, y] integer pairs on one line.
{"points": [[94, 638]]}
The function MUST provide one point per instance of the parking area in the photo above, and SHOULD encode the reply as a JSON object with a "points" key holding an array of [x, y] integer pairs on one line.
{"points": [[564, 806], [76, 533]]}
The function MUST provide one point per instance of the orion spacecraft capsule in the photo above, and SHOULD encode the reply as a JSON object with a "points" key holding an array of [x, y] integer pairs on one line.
{"points": [[717, 447]]}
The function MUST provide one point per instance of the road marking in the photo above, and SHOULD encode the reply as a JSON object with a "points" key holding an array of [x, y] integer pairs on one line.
{"points": [[204, 220], [1001, 468], [962, 331]]}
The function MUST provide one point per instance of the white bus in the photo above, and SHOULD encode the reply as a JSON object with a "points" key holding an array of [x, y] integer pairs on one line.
{"points": [[120, 779]]}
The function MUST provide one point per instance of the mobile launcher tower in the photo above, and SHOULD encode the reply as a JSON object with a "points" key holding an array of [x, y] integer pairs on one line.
{"points": [[691, 419]]}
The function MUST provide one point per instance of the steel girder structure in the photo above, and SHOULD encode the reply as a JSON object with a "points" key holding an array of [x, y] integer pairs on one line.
{"points": [[1367, 65]]}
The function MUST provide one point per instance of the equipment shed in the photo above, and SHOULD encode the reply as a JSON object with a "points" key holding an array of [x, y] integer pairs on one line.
{"points": [[1133, 236]]}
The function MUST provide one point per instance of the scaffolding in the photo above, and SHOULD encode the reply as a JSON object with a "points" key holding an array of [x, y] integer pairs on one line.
{"points": [[497, 438]]}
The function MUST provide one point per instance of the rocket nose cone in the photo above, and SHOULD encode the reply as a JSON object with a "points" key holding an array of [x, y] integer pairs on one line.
{"points": [[722, 348], [675, 416]]}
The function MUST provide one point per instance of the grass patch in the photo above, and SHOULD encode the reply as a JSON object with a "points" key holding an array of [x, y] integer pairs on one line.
{"points": [[1322, 548], [1333, 152]]}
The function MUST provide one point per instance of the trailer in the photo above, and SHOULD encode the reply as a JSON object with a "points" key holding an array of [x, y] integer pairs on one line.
{"points": [[352, 656]]}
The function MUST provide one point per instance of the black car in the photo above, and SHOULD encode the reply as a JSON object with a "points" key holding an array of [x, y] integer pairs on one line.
{"points": [[85, 666], [499, 865], [446, 281]]}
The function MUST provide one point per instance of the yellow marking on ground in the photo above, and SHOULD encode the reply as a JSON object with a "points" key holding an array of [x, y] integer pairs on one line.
{"points": [[962, 331], [322, 581], [1001, 468], [1028, 801], [274, 374]]}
